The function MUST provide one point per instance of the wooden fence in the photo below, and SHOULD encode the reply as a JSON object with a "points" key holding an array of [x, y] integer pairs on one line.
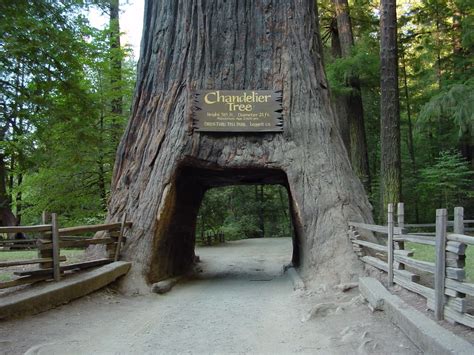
{"points": [[209, 238], [447, 295], [49, 242]]}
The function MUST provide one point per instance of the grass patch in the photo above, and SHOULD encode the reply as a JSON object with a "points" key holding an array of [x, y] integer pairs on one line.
{"points": [[72, 255], [6, 274], [427, 253]]}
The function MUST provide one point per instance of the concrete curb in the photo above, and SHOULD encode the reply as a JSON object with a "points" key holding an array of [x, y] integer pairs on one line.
{"points": [[298, 283], [51, 295], [429, 336]]}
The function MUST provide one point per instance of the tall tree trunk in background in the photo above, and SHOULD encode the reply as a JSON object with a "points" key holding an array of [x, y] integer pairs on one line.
{"points": [[410, 140], [7, 218], [164, 167], [390, 169], [339, 100], [116, 70], [354, 108]]}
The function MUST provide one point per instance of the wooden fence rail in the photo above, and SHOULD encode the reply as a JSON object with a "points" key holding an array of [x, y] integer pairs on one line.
{"points": [[447, 296], [51, 240]]}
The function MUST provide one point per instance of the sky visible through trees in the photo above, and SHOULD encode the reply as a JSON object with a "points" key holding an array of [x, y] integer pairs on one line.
{"points": [[59, 123]]}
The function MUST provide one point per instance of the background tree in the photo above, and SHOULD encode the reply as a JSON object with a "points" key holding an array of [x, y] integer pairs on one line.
{"points": [[390, 171], [352, 99], [58, 131]]}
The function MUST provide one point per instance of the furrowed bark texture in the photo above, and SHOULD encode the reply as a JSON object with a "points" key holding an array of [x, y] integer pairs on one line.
{"points": [[390, 170], [163, 168]]}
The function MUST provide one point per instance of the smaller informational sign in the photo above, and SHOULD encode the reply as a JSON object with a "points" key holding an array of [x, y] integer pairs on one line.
{"points": [[238, 111]]}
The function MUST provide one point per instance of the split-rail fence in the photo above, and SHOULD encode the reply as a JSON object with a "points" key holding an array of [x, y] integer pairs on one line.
{"points": [[49, 241], [447, 295]]}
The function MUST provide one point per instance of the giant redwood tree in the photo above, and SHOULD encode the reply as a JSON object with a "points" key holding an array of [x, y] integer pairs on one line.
{"points": [[164, 166]]}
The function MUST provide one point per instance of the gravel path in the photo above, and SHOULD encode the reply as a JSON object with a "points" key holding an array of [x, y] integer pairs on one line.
{"points": [[240, 303]]}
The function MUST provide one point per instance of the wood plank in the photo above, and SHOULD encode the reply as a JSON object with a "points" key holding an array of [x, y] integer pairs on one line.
{"points": [[462, 318], [77, 243], [379, 264], [458, 263], [370, 245], [14, 247], [18, 241], [420, 225], [414, 238], [459, 286], [440, 263], [23, 281], [26, 229], [417, 264], [456, 247], [375, 228], [457, 304], [28, 262], [458, 226], [45, 218], [381, 248], [451, 272], [81, 266], [404, 252], [461, 238], [426, 225], [390, 244], [414, 287], [92, 228], [55, 244]]}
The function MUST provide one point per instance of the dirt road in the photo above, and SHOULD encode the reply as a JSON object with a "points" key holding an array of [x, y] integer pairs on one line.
{"points": [[240, 303]]}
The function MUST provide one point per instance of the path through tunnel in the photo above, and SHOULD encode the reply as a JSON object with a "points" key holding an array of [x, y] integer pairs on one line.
{"points": [[189, 213]]}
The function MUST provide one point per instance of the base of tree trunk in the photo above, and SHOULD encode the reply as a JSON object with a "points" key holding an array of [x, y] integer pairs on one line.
{"points": [[164, 167]]}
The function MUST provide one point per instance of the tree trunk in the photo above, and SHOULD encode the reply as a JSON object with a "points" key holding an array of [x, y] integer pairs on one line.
{"points": [[390, 170], [353, 101], [115, 69], [163, 167], [7, 218], [340, 101]]}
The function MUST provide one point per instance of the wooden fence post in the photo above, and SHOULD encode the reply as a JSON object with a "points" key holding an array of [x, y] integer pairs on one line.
{"points": [[440, 263], [390, 244], [401, 224], [45, 253], [119, 240], [55, 242], [458, 220]]}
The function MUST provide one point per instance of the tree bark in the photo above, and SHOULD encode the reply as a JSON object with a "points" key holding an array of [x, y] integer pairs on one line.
{"points": [[163, 167], [390, 170], [115, 69], [7, 218], [340, 101], [353, 101]]}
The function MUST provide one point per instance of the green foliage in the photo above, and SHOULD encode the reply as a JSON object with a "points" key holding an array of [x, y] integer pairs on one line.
{"points": [[59, 130], [363, 63], [239, 211], [455, 103], [448, 182]]}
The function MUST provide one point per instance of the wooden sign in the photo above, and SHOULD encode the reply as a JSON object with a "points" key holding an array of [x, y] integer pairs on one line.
{"points": [[238, 111]]}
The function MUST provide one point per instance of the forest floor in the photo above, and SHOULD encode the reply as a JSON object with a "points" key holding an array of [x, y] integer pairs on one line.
{"points": [[240, 303]]}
